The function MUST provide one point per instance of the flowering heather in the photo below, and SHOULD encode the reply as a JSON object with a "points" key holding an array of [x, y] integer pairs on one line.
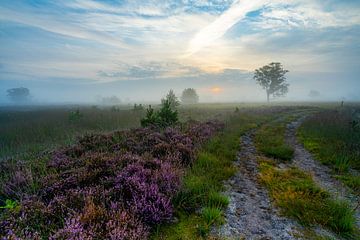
{"points": [[110, 186]]}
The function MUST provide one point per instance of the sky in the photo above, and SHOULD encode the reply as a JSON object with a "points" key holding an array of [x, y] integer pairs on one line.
{"points": [[77, 50]]}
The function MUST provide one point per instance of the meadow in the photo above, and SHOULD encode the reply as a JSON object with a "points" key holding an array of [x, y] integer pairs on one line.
{"points": [[85, 172]]}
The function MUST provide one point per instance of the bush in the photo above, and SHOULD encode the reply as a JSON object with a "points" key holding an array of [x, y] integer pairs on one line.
{"points": [[75, 116], [165, 117]]}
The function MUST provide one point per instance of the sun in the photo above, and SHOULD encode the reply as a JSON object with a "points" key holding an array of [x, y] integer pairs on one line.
{"points": [[216, 89]]}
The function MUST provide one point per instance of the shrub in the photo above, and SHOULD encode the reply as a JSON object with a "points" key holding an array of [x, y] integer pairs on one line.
{"points": [[75, 116], [166, 116]]}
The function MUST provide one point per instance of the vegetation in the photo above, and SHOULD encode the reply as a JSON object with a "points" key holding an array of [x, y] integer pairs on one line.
{"points": [[106, 186], [28, 131], [33, 131], [19, 95], [189, 96], [164, 182], [138, 107], [172, 99], [333, 136], [270, 141], [299, 197], [293, 190], [203, 182], [272, 78], [165, 117]]}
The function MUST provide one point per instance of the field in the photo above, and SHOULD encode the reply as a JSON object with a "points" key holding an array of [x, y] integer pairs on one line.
{"points": [[86, 172]]}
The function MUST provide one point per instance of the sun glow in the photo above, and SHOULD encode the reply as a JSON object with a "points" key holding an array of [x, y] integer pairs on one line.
{"points": [[216, 89]]}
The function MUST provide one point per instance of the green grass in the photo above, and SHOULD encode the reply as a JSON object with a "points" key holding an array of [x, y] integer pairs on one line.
{"points": [[332, 139], [270, 141], [299, 197], [212, 215]]}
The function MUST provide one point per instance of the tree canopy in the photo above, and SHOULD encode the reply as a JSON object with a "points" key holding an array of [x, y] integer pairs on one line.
{"points": [[19, 95], [189, 96], [272, 78], [172, 99]]}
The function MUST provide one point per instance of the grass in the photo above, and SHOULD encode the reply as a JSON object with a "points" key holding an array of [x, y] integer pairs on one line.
{"points": [[32, 130], [270, 141], [299, 197], [335, 141]]}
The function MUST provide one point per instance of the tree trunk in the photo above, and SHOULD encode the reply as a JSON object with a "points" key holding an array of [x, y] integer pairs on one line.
{"points": [[268, 95]]}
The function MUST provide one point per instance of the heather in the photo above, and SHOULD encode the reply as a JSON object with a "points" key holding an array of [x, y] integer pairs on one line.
{"points": [[118, 185]]}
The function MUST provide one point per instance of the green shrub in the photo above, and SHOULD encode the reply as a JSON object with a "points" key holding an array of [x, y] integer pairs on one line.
{"points": [[165, 117], [75, 116]]}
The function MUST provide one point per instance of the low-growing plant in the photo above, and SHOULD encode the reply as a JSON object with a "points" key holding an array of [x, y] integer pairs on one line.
{"points": [[217, 200], [332, 138], [270, 141], [106, 186], [299, 197], [9, 204]]}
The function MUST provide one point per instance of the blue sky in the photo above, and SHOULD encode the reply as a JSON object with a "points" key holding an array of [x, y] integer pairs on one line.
{"points": [[76, 50]]}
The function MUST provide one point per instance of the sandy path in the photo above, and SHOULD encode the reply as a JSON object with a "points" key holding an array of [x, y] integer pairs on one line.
{"points": [[250, 214]]}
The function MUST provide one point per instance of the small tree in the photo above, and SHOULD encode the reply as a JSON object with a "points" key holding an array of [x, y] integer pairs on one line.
{"points": [[151, 118], [189, 96], [314, 94], [168, 115], [165, 117], [172, 99], [19, 95], [272, 78]]}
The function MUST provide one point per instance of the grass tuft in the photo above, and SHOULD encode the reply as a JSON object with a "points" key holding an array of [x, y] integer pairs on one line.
{"points": [[212, 215]]}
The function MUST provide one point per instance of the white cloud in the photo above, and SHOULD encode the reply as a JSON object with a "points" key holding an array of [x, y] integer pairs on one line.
{"points": [[222, 24]]}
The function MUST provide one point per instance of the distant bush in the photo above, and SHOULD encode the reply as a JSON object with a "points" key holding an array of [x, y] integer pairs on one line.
{"points": [[138, 107], [115, 109], [166, 116], [75, 115]]}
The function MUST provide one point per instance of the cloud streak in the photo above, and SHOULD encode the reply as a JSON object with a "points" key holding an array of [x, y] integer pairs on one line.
{"points": [[222, 24]]}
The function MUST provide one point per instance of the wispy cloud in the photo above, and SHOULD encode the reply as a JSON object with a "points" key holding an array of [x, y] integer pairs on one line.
{"points": [[222, 24]]}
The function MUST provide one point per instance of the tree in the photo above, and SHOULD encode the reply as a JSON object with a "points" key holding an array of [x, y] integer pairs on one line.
{"points": [[165, 117], [19, 95], [314, 94], [189, 96], [272, 78], [172, 99]]}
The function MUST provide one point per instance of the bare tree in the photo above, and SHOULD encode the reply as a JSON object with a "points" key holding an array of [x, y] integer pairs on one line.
{"points": [[272, 78]]}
